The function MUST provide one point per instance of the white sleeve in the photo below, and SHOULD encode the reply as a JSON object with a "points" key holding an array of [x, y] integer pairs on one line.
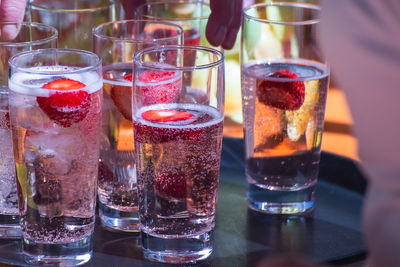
{"points": [[361, 39]]}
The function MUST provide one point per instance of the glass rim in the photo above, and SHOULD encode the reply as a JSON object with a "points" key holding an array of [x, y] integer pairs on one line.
{"points": [[12, 63], [60, 10], [52, 31], [158, 3], [138, 41], [150, 65], [282, 4]]}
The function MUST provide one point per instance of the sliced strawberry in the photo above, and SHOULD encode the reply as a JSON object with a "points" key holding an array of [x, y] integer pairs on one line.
{"points": [[191, 36], [122, 98], [171, 184], [167, 115], [65, 108], [128, 77], [159, 87], [286, 95], [64, 84]]}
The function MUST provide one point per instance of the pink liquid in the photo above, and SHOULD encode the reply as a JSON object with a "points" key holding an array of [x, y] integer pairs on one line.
{"points": [[178, 170], [117, 180], [56, 162]]}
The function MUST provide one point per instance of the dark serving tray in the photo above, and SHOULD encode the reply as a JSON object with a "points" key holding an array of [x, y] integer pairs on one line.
{"points": [[331, 234]]}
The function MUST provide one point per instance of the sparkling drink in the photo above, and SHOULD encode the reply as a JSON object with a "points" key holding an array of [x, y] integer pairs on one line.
{"points": [[55, 114], [116, 42], [283, 104], [9, 221], [178, 147], [178, 139], [117, 187]]}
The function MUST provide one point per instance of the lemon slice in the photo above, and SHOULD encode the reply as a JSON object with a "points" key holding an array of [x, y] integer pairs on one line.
{"points": [[298, 120]]}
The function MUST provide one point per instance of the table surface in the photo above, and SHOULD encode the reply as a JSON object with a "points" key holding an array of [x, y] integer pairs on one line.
{"points": [[331, 234]]}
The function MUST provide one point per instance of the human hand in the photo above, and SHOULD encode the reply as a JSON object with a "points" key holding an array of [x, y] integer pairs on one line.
{"points": [[224, 22], [11, 11], [130, 6]]}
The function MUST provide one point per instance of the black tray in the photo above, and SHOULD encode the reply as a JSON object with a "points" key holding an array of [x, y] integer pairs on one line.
{"points": [[331, 234]]}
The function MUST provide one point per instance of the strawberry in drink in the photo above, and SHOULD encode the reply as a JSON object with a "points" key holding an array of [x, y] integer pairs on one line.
{"points": [[117, 178], [284, 104], [55, 114], [178, 147]]}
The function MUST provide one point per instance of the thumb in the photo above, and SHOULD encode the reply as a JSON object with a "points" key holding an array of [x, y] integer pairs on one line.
{"points": [[12, 10]]}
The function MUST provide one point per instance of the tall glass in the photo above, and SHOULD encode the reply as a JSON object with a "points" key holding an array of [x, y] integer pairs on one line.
{"points": [[178, 139], [115, 42], [284, 87], [55, 110], [191, 15], [14, 38], [74, 19]]}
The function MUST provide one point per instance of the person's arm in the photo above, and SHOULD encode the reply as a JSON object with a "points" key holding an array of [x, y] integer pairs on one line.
{"points": [[361, 39]]}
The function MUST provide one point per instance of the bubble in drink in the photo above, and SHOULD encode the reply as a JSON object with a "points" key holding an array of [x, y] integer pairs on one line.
{"points": [[178, 149], [56, 132]]}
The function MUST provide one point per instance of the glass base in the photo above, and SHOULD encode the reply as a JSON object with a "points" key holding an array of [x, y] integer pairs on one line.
{"points": [[281, 202], [9, 227], [177, 250], [64, 254], [118, 221]]}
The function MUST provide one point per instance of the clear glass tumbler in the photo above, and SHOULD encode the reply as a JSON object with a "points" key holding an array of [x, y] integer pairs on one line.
{"points": [[74, 19], [191, 15], [55, 110], [178, 140], [116, 42], [14, 38], [284, 87]]}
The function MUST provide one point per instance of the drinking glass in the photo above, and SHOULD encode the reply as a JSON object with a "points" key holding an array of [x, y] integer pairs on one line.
{"points": [[55, 110], [74, 19], [178, 139], [115, 42], [191, 15], [14, 38], [284, 87]]}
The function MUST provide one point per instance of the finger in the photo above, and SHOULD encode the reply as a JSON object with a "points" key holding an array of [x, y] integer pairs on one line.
{"points": [[233, 30], [219, 21], [12, 10], [130, 6]]}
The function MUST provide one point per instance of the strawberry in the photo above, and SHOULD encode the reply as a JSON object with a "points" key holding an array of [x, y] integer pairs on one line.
{"points": [[67, 107], [191, 36], [167, 115], [171, 184], [122, 98], [286, 95], [158, 87]]}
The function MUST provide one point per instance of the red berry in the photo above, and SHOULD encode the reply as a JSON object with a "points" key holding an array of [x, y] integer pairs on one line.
{"points": [[159, 87], [167, 115], [122, 98], [65, 108], [286, 95], [171, 184], [128, 77]]}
